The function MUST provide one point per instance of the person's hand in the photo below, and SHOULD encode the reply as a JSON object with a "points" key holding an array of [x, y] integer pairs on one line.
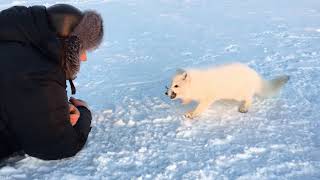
{"points": [[78, 102], [74, 114]]}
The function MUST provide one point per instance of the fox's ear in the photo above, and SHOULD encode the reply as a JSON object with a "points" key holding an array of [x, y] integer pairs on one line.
{"points": [[180, 71], [184, 75]]}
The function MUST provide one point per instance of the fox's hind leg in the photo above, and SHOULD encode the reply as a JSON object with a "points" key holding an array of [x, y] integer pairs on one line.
{"points": [[245, 104]]}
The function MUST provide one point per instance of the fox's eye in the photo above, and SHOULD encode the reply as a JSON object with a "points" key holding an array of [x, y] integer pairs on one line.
{"points": [[176, 86]]}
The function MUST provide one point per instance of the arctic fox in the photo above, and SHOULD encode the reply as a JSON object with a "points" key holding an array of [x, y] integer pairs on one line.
{"points": [[231, 81]]}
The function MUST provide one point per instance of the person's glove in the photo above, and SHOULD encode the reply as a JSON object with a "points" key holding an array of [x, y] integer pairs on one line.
{"points": [[74, 114]]}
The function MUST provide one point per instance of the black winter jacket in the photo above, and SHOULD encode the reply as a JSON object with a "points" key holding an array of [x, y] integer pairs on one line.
{"points": [[34, 113]]}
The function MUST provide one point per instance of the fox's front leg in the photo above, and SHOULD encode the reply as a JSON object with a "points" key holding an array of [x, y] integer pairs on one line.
{"points": [[186, 101], [202, 106]]}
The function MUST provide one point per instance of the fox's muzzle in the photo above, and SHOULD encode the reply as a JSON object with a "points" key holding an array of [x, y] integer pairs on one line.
{"points": [[173, 95], [170, 93]]}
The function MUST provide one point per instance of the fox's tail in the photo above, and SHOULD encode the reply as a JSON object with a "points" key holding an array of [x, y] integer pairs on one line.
{"points": [[272, 87]]}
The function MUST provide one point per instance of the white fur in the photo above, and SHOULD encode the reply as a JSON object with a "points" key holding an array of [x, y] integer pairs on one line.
{"points": [[232, 81]]}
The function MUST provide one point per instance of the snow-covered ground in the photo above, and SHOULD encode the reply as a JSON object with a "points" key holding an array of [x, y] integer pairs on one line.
{"points": [[138, 133]]}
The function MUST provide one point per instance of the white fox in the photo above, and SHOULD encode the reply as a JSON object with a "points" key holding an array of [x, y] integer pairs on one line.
{"points": [[232, 81]]}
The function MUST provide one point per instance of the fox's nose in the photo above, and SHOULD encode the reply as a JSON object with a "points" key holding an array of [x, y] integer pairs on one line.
{"points": [[166, 93], [173, 95]]}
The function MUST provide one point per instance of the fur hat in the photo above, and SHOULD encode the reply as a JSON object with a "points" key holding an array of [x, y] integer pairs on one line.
{"points": [[89, 31], [87, 35], [78, 31]]}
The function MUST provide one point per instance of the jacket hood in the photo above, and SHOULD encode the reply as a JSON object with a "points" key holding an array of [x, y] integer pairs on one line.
{"points": [[29, 25]]}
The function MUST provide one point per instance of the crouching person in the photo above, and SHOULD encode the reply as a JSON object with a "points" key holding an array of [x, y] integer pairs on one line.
{"points": [[40, 49]]}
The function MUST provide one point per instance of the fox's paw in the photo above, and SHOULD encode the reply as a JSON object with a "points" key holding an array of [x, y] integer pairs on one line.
{"points": [[243, 109], [189, 115]]}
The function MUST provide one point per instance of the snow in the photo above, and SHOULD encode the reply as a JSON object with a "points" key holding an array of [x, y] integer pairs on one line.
{"points": [[138, 133]]}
